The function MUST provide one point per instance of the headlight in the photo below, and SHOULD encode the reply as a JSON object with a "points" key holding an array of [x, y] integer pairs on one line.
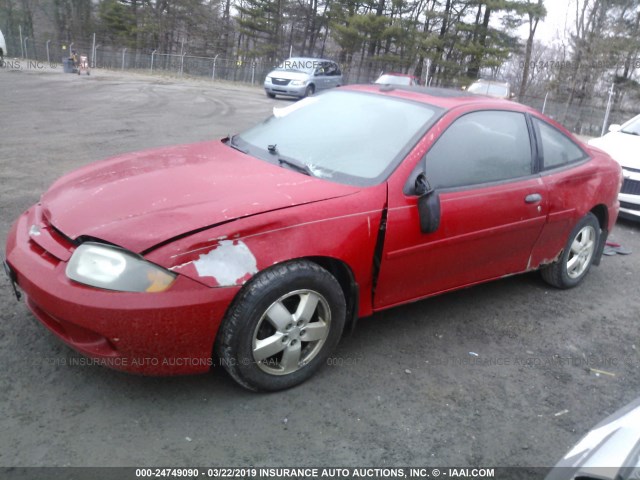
{"points": [[267, 80], [112, 268], [297, 83]]}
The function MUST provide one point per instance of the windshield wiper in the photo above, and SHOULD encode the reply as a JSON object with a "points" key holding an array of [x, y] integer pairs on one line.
{"points": [[290, 162], [233, 144], [299, 166], [630, 133]]}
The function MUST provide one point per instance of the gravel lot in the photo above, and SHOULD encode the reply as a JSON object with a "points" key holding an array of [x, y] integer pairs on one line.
{"points": [[403, 390]]}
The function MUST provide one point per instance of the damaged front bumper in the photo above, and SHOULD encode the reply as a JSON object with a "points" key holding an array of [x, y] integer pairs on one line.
{"points": [[165, 333]]}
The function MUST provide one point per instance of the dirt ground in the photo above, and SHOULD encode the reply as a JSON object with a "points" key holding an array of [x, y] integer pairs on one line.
{"points": [[496, 375]]}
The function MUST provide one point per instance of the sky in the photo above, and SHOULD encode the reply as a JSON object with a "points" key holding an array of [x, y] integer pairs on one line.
{"points": [[560, 14]]}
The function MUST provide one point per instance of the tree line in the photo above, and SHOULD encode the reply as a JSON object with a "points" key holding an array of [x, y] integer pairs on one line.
{"points": [[443, 42]]}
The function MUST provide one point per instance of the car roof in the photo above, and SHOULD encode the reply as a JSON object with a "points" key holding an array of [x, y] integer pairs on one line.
{"points": [[306, 59], [445, 98], [448, 99]]}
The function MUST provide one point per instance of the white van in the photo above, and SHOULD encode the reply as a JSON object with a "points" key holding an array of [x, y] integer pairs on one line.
{"points": [[3, 48], [301, 77]]}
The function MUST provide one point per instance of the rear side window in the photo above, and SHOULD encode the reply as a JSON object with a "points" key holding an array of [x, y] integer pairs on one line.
{"points": [[480, 147], [557, 148]]}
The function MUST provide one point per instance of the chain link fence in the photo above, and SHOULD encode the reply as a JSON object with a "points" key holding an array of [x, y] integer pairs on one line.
{"points": [[587, 118], [112, 58]]}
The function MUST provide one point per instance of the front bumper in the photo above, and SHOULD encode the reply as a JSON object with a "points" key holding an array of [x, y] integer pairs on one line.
{"points": [[629, 196], [165, 333], [292, 91]]}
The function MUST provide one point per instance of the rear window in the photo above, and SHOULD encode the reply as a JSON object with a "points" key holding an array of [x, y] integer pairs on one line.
{"points": [[557, 148]]}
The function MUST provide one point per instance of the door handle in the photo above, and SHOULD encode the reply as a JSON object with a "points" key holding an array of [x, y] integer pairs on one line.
{"points": [[533, 198]]}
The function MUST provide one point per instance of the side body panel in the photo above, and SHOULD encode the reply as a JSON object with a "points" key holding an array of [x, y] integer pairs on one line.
{"points": [[344, 229]]}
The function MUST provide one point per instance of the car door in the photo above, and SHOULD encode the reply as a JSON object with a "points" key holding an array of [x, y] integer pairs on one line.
{"points": [[320, 77], [492, 210], [569, 179], [333, 75]]}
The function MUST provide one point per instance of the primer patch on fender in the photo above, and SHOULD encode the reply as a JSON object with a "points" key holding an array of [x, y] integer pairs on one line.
{"points": [[229, 263]]}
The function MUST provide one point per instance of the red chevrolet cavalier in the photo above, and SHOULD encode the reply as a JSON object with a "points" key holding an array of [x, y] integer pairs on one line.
{"points": [[258, 249]]}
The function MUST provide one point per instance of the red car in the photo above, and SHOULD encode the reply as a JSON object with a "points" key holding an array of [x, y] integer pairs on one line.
{"points": [[257, 250]]}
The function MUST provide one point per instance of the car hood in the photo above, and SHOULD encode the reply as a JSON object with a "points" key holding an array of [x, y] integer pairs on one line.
{"points": [[289, 75], [623, 147], [140, 200]]}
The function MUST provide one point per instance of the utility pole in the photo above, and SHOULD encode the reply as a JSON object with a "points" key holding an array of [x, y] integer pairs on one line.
{"points": [[606, 115]]}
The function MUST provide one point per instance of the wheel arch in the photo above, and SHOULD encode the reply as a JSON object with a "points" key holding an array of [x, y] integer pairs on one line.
{"points": [[340, 270], [345, 277], [602, 215]]}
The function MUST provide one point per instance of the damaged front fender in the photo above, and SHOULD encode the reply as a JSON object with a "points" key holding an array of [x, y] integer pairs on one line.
{"points": [[345, 229], [228, 263]]}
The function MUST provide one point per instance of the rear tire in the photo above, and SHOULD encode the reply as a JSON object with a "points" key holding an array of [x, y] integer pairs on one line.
{"points": [[577, 257], [282, 326]]}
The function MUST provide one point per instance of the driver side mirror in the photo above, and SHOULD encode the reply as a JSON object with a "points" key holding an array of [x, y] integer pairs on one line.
{"points": [[428, 205]]}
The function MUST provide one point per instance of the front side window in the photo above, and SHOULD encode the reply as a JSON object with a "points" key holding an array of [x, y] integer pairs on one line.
{"points": [[480, 147], [557, 148], [350, 137]]}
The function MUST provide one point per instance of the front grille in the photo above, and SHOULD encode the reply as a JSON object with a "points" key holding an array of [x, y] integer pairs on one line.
{"points": [[630, 206], [280, 81], [631, 187]]}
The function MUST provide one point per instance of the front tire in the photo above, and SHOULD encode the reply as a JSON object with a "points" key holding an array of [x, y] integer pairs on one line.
{"points": [[577, 256], [271, 95], [282, 326], [310, 90]]}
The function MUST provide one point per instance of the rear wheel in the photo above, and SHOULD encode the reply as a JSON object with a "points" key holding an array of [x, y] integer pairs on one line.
{"points": [[577, 256], [282, 327]]}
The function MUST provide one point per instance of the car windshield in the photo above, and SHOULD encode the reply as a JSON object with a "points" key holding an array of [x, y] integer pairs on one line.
{"points": [[301, 65], [349, 137], [394, 80], [491, 89], [632, 127]]}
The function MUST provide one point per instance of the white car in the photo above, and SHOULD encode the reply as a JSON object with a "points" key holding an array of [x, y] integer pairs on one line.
{"points": [[608, 452], [3, 49], [623, 144], [491, 88]]}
